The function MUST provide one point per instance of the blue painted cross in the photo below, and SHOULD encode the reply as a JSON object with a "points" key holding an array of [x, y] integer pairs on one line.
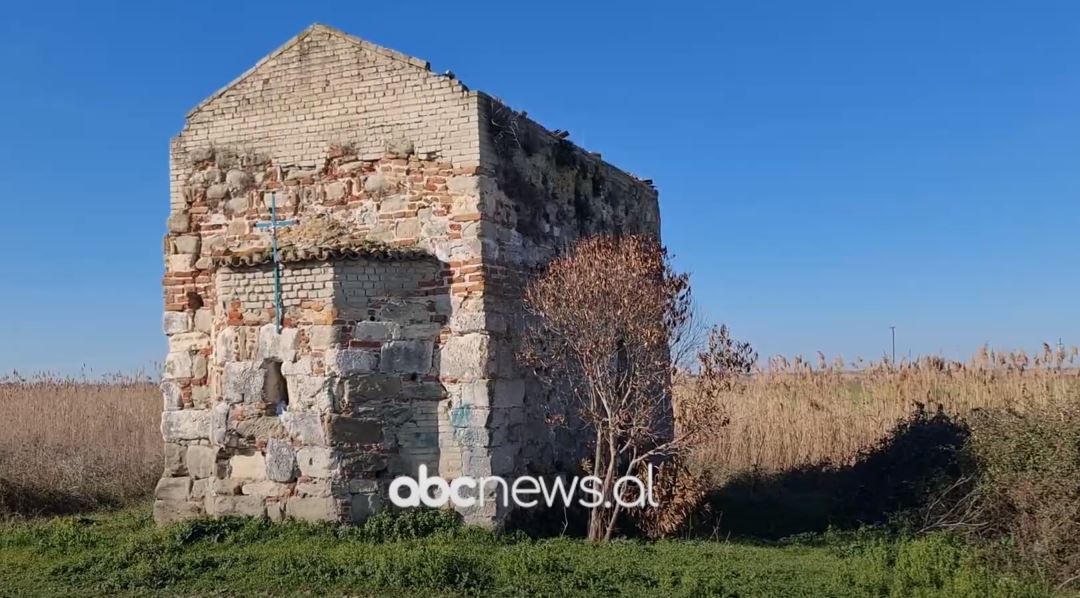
{"points": [[274, 224]]}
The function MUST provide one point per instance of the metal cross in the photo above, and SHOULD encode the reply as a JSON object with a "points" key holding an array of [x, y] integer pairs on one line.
{"points": [[274, 224]]}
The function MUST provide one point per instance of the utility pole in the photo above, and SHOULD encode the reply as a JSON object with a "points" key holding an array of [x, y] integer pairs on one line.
{"points": [[893, 329]]}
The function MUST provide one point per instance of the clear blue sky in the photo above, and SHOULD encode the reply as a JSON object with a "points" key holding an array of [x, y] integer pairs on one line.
{"points": [[826, 168]]}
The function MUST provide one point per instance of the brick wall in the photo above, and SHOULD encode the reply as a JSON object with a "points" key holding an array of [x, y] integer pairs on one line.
{"points": [[325, 88]]}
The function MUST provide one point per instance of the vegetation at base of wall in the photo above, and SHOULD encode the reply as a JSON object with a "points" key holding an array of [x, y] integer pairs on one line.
{"points": [[73, 444], [124, 554]]}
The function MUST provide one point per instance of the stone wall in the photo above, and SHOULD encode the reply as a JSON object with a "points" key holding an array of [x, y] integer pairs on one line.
{"points": [[420, 206], [379, 339], [313, 422], [539, 194]]}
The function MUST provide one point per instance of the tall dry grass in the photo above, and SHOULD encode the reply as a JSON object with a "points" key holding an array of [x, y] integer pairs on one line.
{"points": [[792, 414], [74, 443]]}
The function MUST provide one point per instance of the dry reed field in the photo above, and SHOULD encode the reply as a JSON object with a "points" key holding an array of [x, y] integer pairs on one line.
{"points": [[73, 443], [794, 413]]}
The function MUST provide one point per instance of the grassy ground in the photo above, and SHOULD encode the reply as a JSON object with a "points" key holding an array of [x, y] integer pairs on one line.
{"points": [[122, 553]]}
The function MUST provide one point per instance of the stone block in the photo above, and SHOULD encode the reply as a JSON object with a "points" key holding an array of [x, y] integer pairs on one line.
{"points": [[217, 192], [336, 191], [204, 320], [218, 422], [322, 337], [367, 462], [179, 222], [273, 345], [243, 382], [312, 509], [228, 345], [311, 392], [300, 367], [227, 486], [200, 396], [465, 415], [189, 244], [189, 342], [317, 461], [350, 167], [314, 488], [167, 512], [467, 185], [215, 242], [235, 506], [170, 392], [400, 147], [188, 424], [304, 426], [402, 312], [200, 489], [260, 427], [174, 459], [407, 357], [363, 506], [465, 357], [280, 461], [467, 322], [420, 331], [372, 331], [180, 263], [251, 467], [351, 430], [301, 175], [201, 154], [201, 460], [198, 366], [206, 177], [178, 365], [237, 205], [351, 361], [266, 488], [407, 229], [424, 391], [275, 509], [360, 389], [173, 489], [376, 184], [176, 322], [238, 180]]}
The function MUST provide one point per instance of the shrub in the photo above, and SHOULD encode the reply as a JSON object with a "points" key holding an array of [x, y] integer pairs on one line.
{"points": [[1027, 486], [393, 526], [680, 496]]}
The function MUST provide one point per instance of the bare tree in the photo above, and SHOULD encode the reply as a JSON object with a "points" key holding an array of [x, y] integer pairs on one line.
{"points": [[603, 321]]}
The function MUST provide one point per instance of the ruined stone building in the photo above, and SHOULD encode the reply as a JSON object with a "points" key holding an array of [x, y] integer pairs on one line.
{"points": [[415, 207]]}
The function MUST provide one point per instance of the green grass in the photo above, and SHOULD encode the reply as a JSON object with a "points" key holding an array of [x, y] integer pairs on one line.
{"points": [[428, 554]]}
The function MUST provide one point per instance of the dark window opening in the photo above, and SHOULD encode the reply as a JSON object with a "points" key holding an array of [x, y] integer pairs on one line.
{"points": [[275, 390]]}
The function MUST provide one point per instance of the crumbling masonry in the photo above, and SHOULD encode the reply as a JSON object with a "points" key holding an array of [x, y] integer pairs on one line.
{"points": [[419, 206]]}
